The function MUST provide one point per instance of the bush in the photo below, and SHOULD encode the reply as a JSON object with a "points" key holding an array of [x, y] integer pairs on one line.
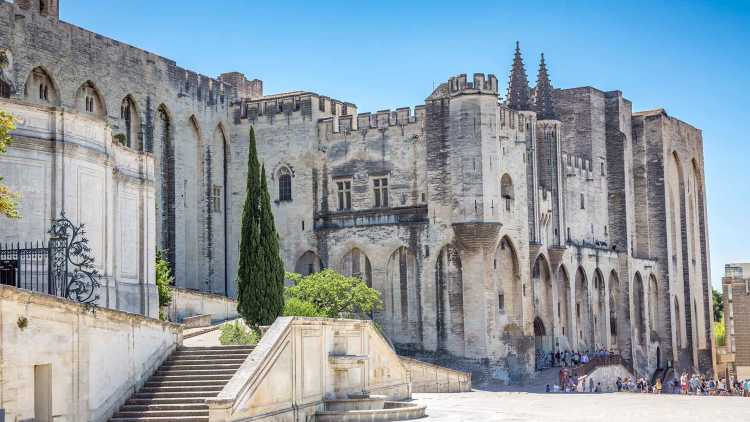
{"points": [[235, 333], [720, 330], [297, 307], [164, 282], [330, 294]]}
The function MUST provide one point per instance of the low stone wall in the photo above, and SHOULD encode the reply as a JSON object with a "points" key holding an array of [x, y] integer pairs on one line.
{"points": [[95, 360], [429, 378], [300, 362], [187, 303]]}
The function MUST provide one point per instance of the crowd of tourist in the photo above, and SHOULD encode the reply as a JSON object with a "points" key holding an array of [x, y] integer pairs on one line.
{"points": [[574, 378]]}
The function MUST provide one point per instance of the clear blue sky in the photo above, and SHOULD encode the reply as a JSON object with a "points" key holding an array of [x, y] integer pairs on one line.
{"points": [[691, 58]]}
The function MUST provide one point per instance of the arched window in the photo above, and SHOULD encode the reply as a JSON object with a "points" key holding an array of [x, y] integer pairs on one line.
{"points": [[285, 184], [131, 124], [506, 191], [89, 100]]}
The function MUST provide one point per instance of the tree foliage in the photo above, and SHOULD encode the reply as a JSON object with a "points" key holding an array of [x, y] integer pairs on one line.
{"points": [[718, 301], [330, 294], [720, 331], [260, 276], [8, 198], [164, 279]]}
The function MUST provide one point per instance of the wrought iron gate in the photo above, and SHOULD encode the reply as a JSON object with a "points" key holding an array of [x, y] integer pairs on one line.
{"points": [[63, 267]]}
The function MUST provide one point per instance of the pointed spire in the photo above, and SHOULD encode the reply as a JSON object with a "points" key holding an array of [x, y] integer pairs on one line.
{"points": [[543, 91], [518, 85]]}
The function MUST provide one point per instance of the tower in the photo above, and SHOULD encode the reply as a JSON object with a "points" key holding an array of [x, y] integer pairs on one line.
{"points": [[42, 7], [543, 94], [518, 85]]}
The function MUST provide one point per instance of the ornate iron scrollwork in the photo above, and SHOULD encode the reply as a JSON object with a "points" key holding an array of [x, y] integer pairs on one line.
{"points": [[69, 247]]}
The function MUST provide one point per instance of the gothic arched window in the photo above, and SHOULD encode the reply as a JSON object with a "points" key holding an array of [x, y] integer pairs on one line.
{"points": [[285, 184]]}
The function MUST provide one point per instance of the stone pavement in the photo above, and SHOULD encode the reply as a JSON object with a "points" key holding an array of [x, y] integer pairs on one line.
{"points": [[488, 406]]}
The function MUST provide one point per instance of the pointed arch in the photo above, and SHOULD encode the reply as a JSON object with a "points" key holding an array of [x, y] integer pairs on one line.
{"points": [[41, 88], [599, 307], [402, 296], [615, 309], [506, 191], [130, 124], [89, 100], [449, 300], [564, 314], [162, 146], [583, 310], [308, 263], [505, 270], [639, 308], [356, 263]]}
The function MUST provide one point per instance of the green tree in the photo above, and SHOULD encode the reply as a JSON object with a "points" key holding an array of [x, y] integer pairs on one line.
{"points": [[718, 300], [720, 331], [260, 276], [164, 279], [8, 198], [332, 295]]}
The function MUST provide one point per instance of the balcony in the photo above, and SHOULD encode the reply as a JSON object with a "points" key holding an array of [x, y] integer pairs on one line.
{"points": [[371, 217]]}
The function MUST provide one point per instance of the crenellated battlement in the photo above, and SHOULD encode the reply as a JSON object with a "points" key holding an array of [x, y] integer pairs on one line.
{"points": [[383, 119], [481, 83], [303, 103], [576, 165]]}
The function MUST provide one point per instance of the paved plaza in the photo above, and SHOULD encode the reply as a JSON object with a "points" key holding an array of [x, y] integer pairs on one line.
{"points": [[486, 406]]}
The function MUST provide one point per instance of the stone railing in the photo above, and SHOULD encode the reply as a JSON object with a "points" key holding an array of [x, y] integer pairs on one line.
{"points": [[429, 378], [300, 362]]}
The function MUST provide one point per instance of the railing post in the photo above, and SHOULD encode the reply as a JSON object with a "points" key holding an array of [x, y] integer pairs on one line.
{"points": [[18, 265], [50, 278]]}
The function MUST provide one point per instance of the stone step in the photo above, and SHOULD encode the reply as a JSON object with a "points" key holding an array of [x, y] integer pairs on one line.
{"points": [[187, 388], [174, 406], [186, 366], [164, 401], [180, 371], [194, 361], [161, 413], [162, 419], [211, 352], [226, 347], [175, 395], [179, 383], [191, 377]]}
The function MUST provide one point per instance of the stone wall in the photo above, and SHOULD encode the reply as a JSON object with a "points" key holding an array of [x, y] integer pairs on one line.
{"points": [[300, 362], [67, 161], [429, 378], [96, 360], [187, 303]]}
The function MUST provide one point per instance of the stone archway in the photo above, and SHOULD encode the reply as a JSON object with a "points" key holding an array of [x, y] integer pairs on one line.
{"points": [[564, 314], [584, 336], [402, 313], [544, 309], [639, 317], [449, 299], [599, 314]]}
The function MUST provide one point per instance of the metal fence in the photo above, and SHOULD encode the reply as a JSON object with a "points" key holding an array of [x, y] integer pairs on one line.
{"points": [[63, 266]]}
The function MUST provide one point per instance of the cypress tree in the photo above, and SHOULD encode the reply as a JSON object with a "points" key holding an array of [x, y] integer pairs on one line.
{"points": [[260, 279], [274, 266]]}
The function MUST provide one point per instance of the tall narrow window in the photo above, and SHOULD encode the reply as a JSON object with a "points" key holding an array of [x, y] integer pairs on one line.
{"points": [[583, 202], [344, 194], [216, 198], [380, 188], [285, 185]]}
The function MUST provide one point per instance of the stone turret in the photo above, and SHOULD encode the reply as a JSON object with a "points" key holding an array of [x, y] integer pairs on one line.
{"points": [[518, 85], [543, 94], [43, 7]]}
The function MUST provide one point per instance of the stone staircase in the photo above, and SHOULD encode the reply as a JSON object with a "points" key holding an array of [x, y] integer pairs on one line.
{"points": [[179, 388]]}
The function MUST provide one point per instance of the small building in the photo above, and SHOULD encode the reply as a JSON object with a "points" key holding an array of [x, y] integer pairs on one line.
{"points": [[735, 354]]}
